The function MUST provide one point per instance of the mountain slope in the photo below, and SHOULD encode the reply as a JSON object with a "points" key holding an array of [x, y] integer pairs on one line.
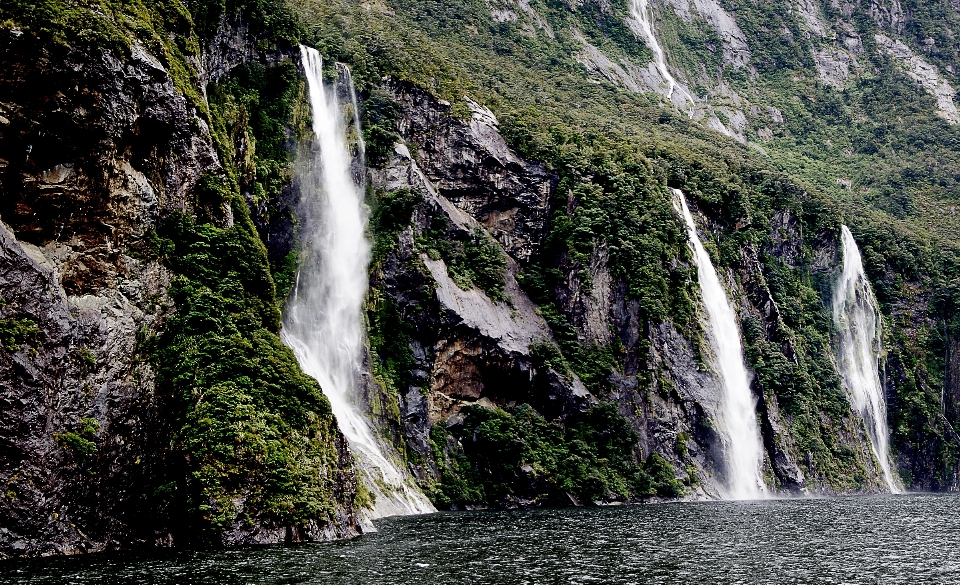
{"points": [[535, 329]]}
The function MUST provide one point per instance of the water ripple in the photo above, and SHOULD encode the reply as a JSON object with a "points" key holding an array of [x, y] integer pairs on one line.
{"points": [[856, 541]]}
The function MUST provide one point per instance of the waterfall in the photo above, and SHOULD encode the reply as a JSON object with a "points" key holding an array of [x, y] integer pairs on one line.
{"points": [[640, 10], [743, 448], [859, 342], [324, 323]]}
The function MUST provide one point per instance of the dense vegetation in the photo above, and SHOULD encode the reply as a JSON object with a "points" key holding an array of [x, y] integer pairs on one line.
{"points": [[615, 150], [517, 458], [251, 425]]}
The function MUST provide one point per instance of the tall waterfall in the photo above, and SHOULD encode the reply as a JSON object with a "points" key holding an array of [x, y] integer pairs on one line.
{"points": [[640, 10], [859, 342], [324, 323], [743, 447]]}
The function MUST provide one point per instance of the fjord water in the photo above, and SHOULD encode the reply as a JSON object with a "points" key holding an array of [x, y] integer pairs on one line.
{"points": [[324, 323], [858, 350], [737, 418], [858, 540]]}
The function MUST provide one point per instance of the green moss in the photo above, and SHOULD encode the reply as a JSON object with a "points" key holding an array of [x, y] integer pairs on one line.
{"points": [[389, 336], [284, 271], [14, 332], [87, 357], [249, 424], [81, 442]]}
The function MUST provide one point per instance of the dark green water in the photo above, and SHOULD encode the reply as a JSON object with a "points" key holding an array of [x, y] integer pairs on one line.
{"points": [[883, 539]]}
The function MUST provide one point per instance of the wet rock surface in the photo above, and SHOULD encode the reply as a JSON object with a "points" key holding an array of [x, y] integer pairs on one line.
{"points": [[95, 150]]}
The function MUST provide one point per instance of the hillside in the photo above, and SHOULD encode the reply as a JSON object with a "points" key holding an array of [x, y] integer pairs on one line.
{"points": [[535, 330]]}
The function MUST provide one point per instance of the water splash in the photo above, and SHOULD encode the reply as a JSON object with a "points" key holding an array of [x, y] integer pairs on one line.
{"points": [[323, 325], [859, 345], [640, 10], [743, 447]]}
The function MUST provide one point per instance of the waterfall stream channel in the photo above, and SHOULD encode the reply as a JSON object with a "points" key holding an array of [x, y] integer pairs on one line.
{"points": [[859, 347], [324, 322], [737, 417]]}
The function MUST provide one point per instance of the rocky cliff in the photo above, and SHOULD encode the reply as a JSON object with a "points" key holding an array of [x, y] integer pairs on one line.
{"points": [[465, 179], [535, 327], [101, 150]]}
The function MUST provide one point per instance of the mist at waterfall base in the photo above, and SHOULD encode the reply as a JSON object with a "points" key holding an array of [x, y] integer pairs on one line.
{"points": [[858, 325], [859, 540], [323, 323], [737, 418]]}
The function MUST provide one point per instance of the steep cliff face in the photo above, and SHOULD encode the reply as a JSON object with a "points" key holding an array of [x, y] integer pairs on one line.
{"points": [[534, 323], [100, 149], [489, 353], [466, 345], [95, 149]]}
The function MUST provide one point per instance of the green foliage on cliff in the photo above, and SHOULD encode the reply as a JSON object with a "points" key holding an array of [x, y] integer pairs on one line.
{"points": [[516, 456], [392, 212], [81, 442], [389, 337], [272, 20], [472, 258], [379, 116], [14, 332], [163, 27], [252, 426], [481, 263], [253, 116]]}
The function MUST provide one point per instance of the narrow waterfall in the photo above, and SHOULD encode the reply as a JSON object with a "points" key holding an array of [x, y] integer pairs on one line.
{"points": [[743, 447], [324, 322], [859, 343], [640, 10]]}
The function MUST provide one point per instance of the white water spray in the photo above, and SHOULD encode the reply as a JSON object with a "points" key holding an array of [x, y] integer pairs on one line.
{"points": [[324, 325], [859, 343], [640, 10], [743, 447]]}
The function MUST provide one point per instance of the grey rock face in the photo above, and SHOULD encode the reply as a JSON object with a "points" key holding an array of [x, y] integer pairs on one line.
{"points": [[924, 73], [684, 395], [233, 44], [80, 370], [514, 330], [94, 151], [468, 348], [472, 167]]}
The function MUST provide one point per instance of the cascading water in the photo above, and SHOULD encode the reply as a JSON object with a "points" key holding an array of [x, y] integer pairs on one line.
{"points": [[859, 342], [323, 325], [640, 10], [676, 93], [743, 448]]}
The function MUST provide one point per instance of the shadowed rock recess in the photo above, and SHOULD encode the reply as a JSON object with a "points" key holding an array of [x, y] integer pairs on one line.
{"points": [[535, 329]]}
